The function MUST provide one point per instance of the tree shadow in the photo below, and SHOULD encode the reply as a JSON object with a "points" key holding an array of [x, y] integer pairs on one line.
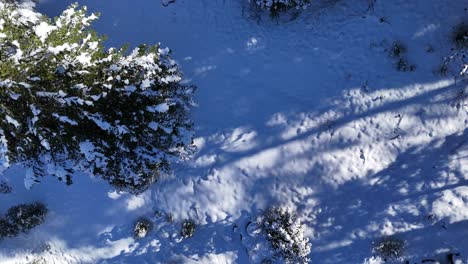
{"points": [[402, 195]]}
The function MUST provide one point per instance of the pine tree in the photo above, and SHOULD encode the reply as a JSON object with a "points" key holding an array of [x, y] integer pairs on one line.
{"points": [[285, 233], [69, 105]]}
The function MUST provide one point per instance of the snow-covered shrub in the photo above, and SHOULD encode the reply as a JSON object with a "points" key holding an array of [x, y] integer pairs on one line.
{"points": [[390, 248], [70, 105], [142, 227], [274, 5], [188, 228], [285, 234], [22, 218]]}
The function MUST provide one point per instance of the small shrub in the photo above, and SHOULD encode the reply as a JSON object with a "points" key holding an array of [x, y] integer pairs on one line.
{"points": [[22, 218], [430, 49], [142, 227], [390, 248], [402, 64], [460, 36], [383, 20], [398, 49], [5, 188], [442, 70], [188, 228], [278, 5], [285, 234]]}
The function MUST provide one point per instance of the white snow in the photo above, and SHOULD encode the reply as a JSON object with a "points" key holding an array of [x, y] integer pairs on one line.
{"points": [[146, 84], [12, 121], [43, 30], [65, 119], [84, 58], [63, 47], [161, 108], [153, 125]]}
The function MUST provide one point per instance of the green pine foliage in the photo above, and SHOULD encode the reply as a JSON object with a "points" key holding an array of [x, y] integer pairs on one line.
{"points": [[69, 105]]}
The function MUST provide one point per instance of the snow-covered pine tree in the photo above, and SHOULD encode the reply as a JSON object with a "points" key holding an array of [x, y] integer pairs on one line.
{"points": [[67, 104], [285, 233]]}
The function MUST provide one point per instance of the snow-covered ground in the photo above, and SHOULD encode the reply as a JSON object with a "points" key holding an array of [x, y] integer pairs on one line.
{"points": [[306, 110]]}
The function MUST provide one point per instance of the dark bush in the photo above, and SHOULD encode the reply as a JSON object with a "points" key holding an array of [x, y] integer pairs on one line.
{"points": [[460, 36], [142, 227], [397, 49], [22, 218], [278, 5], [188, 228], [390, 248]]}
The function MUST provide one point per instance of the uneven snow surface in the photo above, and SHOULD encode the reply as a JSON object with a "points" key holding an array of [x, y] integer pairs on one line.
{"points": [[305, 110]]}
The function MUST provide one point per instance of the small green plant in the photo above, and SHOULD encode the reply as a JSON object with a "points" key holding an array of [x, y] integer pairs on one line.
{"points": [[142, 227], [22, 218], [188, 228], [390, 248]]}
